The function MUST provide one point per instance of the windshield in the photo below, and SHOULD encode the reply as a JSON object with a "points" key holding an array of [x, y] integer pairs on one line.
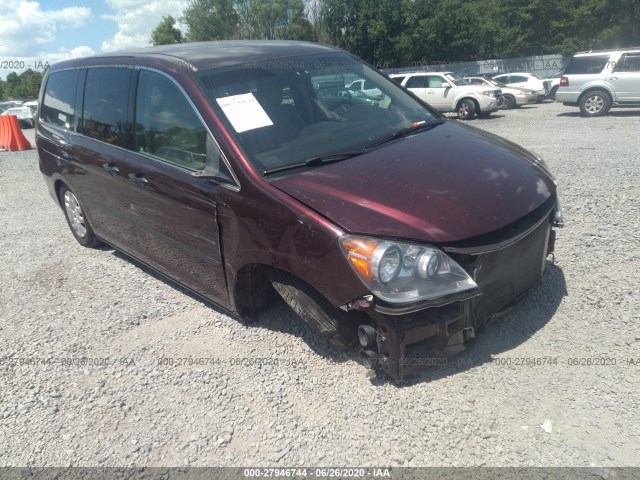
{"points": [[289, 110]]}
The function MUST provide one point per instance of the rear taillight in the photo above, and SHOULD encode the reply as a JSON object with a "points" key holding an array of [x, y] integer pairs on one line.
{"points": [[564, 81]]}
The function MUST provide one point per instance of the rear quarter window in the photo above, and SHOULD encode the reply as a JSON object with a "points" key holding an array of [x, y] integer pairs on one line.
{"points": [[629, 62], [59, 98], [586, 65], [419, 81]]}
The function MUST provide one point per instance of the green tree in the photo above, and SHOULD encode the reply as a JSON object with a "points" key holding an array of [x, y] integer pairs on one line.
{"points": [[274, 20], [375, 30], [165, 32], [210, 20], [318, 25], [25, 86], [29, 85]]}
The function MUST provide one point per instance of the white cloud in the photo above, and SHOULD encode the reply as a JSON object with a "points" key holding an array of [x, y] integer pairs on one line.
{"points": [[25, 28], [136, 19], [64, 54]]}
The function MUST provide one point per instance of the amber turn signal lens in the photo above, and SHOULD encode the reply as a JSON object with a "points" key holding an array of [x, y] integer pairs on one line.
{"points": [[360, 255]]}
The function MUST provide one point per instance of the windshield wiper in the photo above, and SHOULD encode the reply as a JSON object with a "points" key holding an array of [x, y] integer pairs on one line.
{"points": [[315, 161], [416, 127]]}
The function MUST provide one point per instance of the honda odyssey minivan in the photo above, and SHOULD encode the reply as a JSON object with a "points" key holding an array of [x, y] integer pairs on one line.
{"points": [[224, 167]]}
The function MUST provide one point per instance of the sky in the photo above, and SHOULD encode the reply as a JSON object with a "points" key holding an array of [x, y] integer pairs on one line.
{"points": [[35, 32]]}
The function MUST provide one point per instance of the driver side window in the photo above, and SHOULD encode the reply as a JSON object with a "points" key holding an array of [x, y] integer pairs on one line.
{"points": [[167, 126]]}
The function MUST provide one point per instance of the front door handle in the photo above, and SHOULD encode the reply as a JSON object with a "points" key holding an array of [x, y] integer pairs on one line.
{"points": [[139, 179], [111, 168]]}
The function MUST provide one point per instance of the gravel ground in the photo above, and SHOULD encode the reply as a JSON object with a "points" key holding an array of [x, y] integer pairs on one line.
{"points": [[316, 407]]}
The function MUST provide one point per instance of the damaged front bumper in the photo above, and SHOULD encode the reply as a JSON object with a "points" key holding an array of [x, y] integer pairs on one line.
{"points": [[505, 265]]}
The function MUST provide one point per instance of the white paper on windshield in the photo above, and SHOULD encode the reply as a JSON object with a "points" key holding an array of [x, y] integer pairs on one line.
{"points": [[244, 112]]}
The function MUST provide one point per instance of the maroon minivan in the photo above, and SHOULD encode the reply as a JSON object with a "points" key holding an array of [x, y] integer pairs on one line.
{"points": [[242, 168]]}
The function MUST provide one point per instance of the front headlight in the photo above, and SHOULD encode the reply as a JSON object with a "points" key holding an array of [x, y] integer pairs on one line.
{"points": [[399, 272]]}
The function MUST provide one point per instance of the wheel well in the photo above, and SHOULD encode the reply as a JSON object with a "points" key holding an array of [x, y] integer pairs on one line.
{"points": [[58, 186], [593, 89], [253, 291], [505, 95]]}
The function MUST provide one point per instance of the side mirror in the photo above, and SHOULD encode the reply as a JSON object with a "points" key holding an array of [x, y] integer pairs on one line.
{"points": [[215, 169]]}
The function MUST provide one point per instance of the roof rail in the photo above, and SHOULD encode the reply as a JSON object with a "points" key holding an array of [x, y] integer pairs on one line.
{"points": [[609, 50]]}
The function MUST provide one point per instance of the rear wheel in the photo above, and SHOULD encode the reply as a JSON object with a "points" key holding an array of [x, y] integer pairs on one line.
{"points": [[595, 103], [76, 219], [509, 102], [340, 329], [466, 109], [552, 93]]}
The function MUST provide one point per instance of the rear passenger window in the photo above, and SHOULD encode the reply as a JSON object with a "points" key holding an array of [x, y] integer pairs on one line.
{"points": [[167, 126], [105, 113], [59, 98]]}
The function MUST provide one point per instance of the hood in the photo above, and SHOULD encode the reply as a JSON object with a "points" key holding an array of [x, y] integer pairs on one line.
{"points": [[450, 183]]}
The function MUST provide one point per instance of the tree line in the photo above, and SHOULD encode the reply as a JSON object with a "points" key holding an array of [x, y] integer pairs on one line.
{"points": [[25, 86], [396, 33]]}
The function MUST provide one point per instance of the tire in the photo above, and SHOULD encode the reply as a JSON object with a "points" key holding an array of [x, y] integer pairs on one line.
{"points": [[76, 219], [552, 93], [509, 102], [339, 328], [466, 109], [595, 103]]}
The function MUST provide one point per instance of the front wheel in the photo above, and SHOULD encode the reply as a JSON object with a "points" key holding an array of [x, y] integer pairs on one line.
{"points": [[333, 323], [76, 219], [466, 110], [509, 102], [595, 103]]}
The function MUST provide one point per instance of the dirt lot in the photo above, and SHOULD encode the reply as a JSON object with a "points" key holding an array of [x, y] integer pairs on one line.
{"points": [[87, 339]]}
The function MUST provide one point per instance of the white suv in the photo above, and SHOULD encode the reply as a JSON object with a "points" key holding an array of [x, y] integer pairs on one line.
{"points": [[447, 92], [597, 81]]}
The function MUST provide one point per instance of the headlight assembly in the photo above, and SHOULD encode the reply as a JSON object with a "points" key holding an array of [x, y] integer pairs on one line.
{"points": [[398, 272]]}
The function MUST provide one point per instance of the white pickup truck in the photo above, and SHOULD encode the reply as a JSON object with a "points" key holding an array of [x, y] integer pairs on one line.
{"points": [[447, 92]]}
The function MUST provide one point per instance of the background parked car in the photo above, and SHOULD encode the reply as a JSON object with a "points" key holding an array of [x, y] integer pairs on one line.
{"points": [[597, 81], [33, 106], [24, 114], [447, 92], [526, 80], [514, 97], [365, 87], [555, 83], [335, 97]]}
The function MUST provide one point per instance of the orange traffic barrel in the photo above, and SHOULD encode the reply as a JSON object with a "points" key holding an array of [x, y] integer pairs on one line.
{"points": [[15, 138]]}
